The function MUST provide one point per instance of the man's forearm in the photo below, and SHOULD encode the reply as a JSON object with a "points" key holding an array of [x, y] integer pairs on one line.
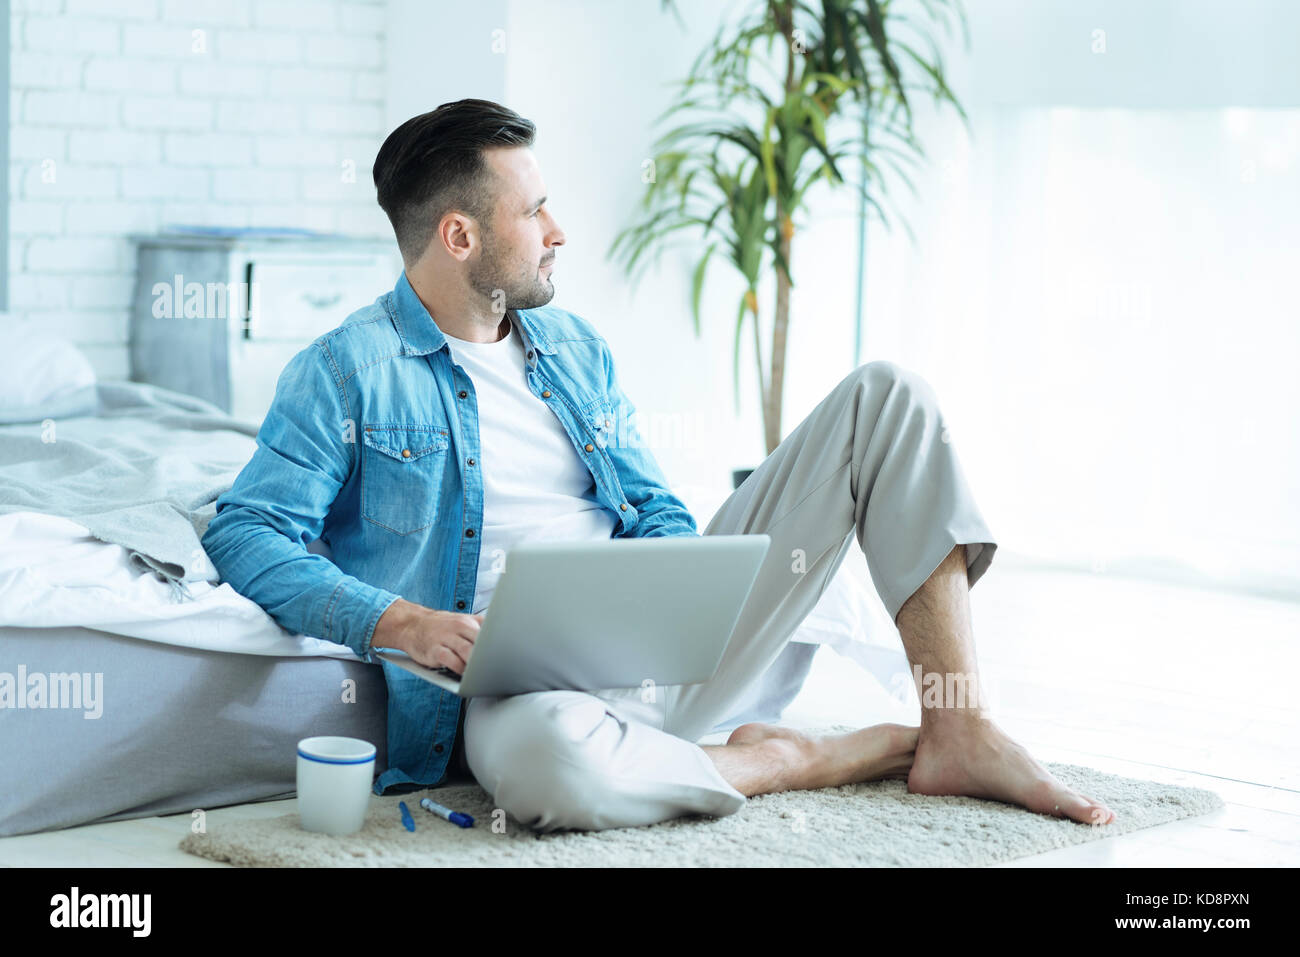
{"points": [[304, 592]]}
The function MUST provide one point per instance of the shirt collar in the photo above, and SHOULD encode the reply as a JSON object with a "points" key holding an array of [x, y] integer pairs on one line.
{"points": [[420, 335]]}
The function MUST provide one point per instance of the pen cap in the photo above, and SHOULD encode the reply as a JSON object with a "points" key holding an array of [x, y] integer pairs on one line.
{"points": [[464, 820]]}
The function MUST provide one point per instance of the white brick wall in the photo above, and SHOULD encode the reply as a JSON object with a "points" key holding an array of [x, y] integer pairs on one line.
{"points": [[128, 115]]}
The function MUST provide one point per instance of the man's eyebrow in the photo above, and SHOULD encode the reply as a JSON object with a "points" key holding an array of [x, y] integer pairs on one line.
{"points": [[537, 205]]}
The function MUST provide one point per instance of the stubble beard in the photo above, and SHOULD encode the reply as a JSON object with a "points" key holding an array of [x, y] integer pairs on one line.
{"points": [[506, 285]]}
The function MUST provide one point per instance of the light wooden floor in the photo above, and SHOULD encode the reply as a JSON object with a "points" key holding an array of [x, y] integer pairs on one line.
{"points": [[1143, 679]]}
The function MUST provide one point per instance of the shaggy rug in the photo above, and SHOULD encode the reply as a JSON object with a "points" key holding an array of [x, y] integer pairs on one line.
{"points": [[878, 824]]}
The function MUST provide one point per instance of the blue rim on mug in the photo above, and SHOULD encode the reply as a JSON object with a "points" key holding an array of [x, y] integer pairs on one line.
{"points": [[330, 749]]}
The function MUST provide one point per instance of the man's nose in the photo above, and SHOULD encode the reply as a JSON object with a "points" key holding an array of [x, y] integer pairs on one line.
{"points": [[555, 235]]}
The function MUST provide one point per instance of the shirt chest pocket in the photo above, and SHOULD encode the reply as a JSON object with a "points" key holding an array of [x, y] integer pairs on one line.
{"points": [[402, 471]]}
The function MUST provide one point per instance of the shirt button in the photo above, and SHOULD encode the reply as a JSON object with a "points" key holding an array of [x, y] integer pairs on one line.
{"points": [[530, 355], [623, 507], [462, 393], [590, 447], [406, 453], [471, 461], [469, 533], [460, 604], [437, 749], [608, 423], [546, 395]]}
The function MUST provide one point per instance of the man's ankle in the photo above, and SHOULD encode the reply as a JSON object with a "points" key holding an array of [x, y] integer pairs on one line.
{"points": [[949, 720]]}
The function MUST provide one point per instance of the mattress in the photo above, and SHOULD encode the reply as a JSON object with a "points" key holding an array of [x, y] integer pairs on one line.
{"points": [[177, 728]]}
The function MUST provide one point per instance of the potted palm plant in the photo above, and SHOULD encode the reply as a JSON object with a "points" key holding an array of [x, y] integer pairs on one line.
{"points": [[750, 137]]}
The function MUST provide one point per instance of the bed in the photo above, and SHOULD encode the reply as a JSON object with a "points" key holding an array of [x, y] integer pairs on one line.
{"points": [[178, 728], [133, 682]]}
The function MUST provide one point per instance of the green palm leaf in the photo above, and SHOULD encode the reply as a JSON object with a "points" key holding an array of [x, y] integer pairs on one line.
{"points": [[755, 123]]}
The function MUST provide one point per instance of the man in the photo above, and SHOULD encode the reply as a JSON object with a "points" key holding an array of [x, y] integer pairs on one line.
{"points": [[460, 414]]}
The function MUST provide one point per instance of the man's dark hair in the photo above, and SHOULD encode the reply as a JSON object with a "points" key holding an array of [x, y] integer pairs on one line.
{"points": [[433, 163]]}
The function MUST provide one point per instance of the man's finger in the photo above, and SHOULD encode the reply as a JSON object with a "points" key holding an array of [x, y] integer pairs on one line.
{"points": [[449, 659], [461, 647]]}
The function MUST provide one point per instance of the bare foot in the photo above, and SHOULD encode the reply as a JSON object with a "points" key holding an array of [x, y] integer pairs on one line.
{"points": [[823, 761], [973, 756]]}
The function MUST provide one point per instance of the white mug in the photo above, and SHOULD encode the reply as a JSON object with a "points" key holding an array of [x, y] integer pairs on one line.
{"points": [[334, 779]]}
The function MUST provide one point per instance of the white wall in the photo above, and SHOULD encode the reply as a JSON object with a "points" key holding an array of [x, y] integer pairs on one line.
{"points": [[1164, 54], [126, 119], [436, 52], [4, 157]]}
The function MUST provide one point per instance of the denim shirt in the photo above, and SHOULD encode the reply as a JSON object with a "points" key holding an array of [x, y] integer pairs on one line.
{"points": [[371, 444]]}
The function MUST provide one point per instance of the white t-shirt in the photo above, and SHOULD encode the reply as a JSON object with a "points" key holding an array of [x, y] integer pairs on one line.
{"points": [[535, 487]]}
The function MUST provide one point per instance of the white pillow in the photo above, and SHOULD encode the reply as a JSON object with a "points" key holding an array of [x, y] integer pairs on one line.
{"points": [[36, 367]]}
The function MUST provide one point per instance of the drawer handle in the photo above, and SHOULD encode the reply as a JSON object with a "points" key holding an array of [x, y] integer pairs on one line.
{"points": [[322, 302]]}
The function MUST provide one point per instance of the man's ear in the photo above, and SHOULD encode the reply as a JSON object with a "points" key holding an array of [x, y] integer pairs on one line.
{"points": [[458, 234]]}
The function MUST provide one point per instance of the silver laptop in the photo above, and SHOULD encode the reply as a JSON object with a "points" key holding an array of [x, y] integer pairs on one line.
{"points": [[613, 613]]}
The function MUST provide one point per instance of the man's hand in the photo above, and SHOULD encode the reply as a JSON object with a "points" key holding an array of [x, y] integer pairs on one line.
{"points": [[435, 639]]}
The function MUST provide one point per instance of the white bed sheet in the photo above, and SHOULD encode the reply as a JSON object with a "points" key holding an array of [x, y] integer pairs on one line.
{"points": [[53, 574]]}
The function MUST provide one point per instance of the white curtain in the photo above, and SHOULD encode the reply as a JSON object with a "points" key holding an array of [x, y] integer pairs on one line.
{"points": [[1106, 301]]}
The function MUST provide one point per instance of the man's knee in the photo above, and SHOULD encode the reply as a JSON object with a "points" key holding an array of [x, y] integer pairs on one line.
{"points": [[543, 759], [509, 732], [883, 374], [887, 378]]}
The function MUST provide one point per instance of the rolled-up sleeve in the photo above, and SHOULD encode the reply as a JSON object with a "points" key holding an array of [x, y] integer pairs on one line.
{"points": [[278, 503]]}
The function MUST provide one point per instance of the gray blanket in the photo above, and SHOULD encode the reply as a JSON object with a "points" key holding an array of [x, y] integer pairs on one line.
{"points": [[141, 467]]}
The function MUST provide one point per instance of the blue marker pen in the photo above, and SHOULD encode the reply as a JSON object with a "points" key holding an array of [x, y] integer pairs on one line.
{"points": [[464, 820], [407, 820]]}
